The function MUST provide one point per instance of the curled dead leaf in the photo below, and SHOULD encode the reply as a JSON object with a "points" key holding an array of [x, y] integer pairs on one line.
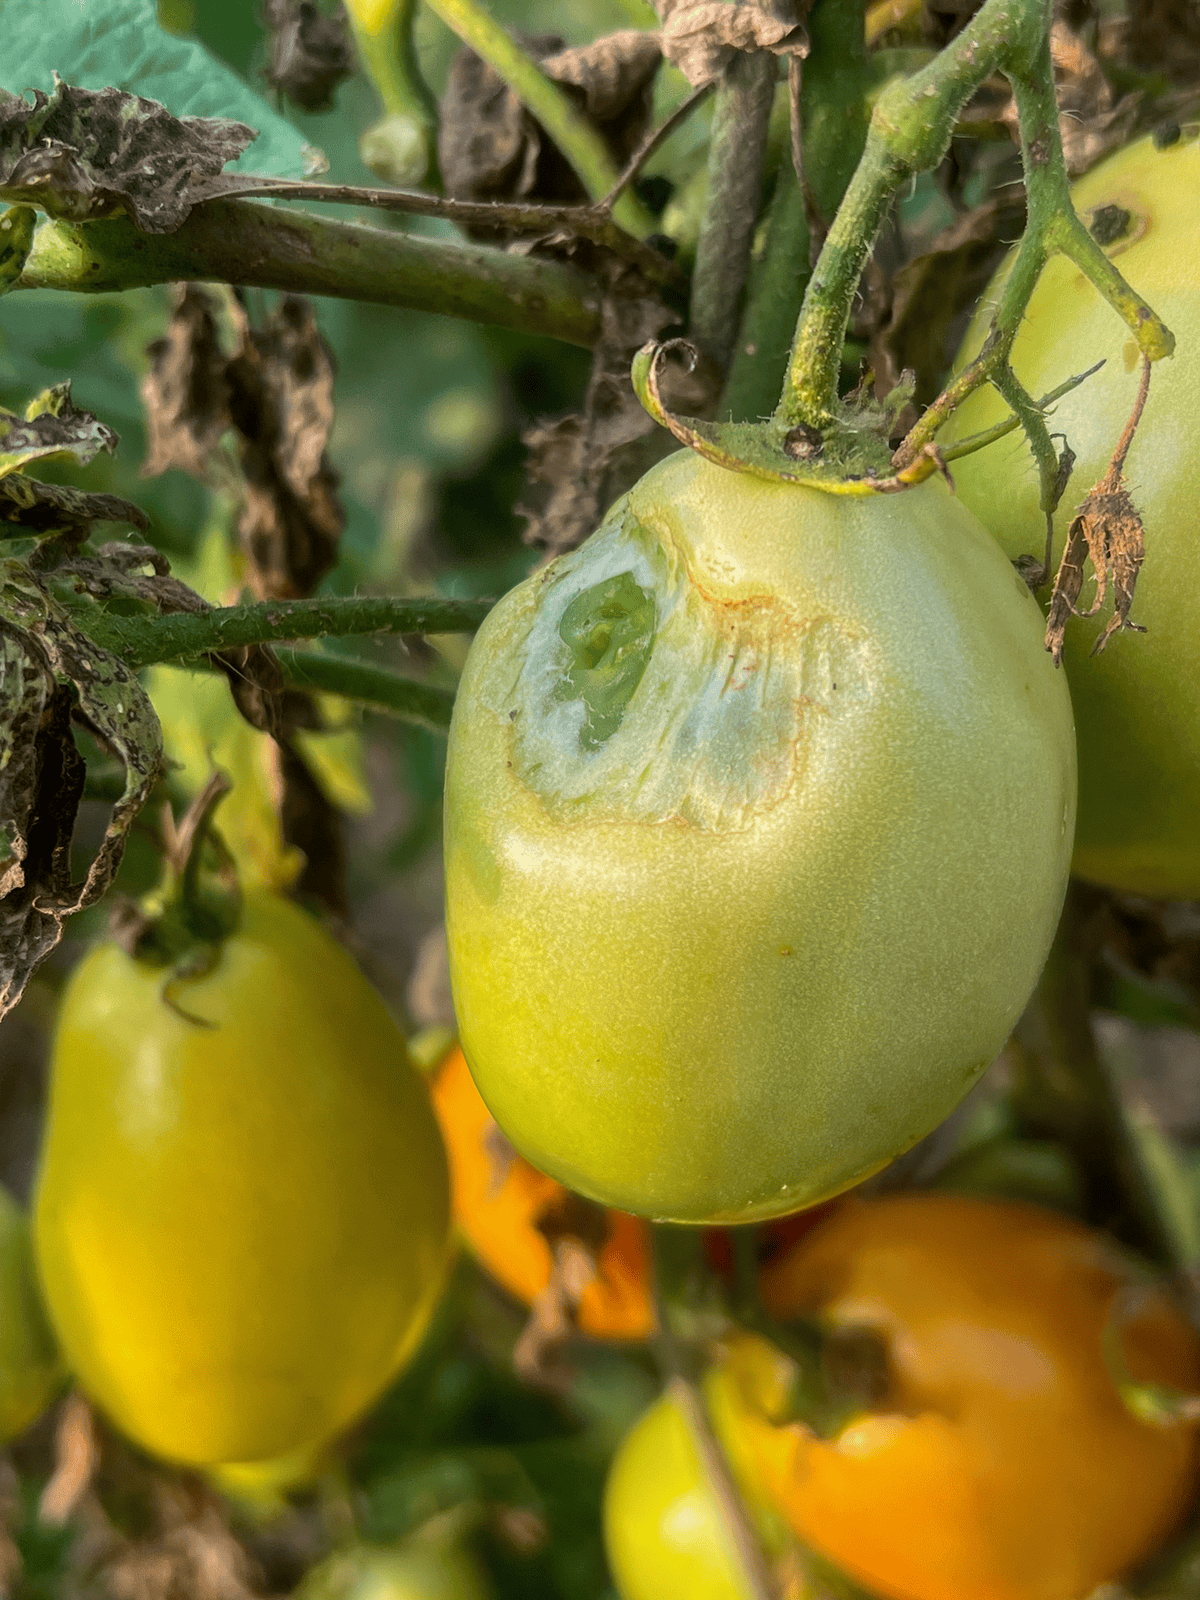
{"points": [[701, 37], [491, 148], [1108, 532], [310, 52], [86, 153], [281, 403], [185, 394]]}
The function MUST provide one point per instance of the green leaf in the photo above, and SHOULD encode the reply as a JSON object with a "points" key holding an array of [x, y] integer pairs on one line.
{"points": [[97, 43]]}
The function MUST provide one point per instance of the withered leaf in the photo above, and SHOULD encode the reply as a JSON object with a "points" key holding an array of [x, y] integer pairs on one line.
{"points": [[84, 153], [1108, 531], [701, 37], [52, 427], [48, 662], [281, 403], [491, 148], [45, 508], [310, 53], [586, 460], [185, 394]]}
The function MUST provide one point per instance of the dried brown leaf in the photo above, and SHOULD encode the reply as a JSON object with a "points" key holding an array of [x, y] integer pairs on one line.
{"points": [[1108, 532], [84, 153], [185, 394], [310, 53], [281, 403], [588, 459], [47, 508], [701, 37], [79, 682], [76, 1457], [491, 148], [576, 1231]]}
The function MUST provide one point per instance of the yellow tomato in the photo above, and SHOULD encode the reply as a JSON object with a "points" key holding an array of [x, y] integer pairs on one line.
{"points": [[242, 1211], [665, 1531], [1002, 1463], [1137, 705], [758, 814]]}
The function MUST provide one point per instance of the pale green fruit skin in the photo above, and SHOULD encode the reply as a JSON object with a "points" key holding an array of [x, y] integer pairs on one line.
{"points": [[1137, 705], [415, 1571], [664, 1530], [727, 983], [241, 1230], [31, 1371]]}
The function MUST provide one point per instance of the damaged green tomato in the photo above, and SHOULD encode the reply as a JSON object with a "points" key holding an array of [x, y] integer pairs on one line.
{"points": [[759, 808]]}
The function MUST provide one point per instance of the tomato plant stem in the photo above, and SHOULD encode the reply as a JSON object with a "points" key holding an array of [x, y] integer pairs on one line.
{"points": [[735, 178], [554, 109], [910, 130], [243, 242], [140, 641], [834, 122]]}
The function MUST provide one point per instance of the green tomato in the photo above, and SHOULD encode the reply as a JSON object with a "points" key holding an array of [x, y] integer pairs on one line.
{"points": [[758, 815], [243, 1206], [1137, 705], [31, 1372], [665, 1532], [416, 1571]]}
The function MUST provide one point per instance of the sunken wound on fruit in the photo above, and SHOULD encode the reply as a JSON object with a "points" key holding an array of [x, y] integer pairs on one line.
{"points": [[759, 808]]}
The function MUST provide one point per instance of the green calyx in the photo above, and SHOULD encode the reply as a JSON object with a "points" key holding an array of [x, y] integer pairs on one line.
{"points": [[850, 456], [610, 631], [198, 903]]}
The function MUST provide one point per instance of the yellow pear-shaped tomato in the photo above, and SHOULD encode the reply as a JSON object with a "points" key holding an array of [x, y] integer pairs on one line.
{"points": [[30, 1368], [243, 1209], [1137, 704], [1002, 1462], [758, 815]]}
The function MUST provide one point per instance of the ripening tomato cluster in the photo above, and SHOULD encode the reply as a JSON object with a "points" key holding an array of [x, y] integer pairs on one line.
{"points": [[760, 808]]}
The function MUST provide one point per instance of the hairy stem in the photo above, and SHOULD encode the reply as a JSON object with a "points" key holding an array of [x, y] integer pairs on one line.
{"points": [[834, 121], [735, 168], [139, 641], [378, 688], [554, 109], [242, 242], [910, 131]]}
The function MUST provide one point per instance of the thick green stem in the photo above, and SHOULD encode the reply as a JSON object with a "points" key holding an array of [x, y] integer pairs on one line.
{"points": [[377, 688], [735, 177], [140, 641], [554, 109], [243, 242], [834, 120], [910, 131]]}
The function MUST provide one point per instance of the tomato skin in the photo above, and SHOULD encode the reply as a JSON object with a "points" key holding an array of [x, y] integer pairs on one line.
{"points": [[497, 1211], [1137, 705], [31, 1371], [664, 1531], [415, 1571], [769, 934], [241, 1229], [1006, 1466]]}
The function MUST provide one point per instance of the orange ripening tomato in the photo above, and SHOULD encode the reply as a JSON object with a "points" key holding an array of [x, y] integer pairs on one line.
{"points": [[497, 1211], [1003, 1463]]}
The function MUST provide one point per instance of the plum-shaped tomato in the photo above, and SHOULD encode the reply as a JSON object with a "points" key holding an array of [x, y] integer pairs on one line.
{"points": [[242, 1212], [758, 814], [1137, 704]]}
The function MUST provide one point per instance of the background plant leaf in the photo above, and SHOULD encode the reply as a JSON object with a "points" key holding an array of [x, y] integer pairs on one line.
{"points": [[97, 44]]}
